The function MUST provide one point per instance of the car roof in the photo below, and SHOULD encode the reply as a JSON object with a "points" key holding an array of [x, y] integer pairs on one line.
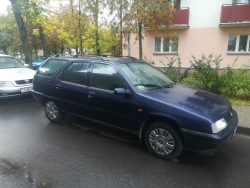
{"points": [[107, 58], [3, 55]]}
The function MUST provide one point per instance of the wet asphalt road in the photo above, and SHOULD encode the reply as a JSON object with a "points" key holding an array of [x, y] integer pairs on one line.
{"points": [[35, 153]]}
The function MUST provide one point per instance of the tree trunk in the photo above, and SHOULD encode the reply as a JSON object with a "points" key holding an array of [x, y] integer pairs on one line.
{"points": [[35, 46], [96, 28], [23, 32], [43, 41], [5, 50], [120, 27], [41, 33], [140, 41]]}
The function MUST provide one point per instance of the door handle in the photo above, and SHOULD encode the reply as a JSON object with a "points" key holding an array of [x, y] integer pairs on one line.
{"points": [[91, 94], [58, 86], [48, 82]]}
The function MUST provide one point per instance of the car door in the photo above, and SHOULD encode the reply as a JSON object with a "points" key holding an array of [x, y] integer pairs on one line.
{"points": [[104, 106], [71, 89]]}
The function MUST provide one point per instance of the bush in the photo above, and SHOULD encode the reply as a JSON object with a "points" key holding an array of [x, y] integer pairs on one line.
{"points": [[236, 82], [174, 72], [205, 74]]}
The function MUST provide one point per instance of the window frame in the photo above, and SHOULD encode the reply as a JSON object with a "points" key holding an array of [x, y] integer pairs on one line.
{"points": [[236, 51], [162, 46]]}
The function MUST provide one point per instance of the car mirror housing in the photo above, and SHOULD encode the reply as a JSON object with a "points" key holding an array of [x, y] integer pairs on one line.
{"points": [[26, 65], [121, 91]]}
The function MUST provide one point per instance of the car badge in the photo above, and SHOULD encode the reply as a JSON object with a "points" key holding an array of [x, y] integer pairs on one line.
{"points": [[27, 81]]}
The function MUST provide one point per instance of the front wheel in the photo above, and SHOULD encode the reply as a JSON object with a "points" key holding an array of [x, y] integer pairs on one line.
{"points": [[163, 141], [53, 112]]}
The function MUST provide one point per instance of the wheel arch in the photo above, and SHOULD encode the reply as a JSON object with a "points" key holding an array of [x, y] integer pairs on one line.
{"points": [[159, 118]]}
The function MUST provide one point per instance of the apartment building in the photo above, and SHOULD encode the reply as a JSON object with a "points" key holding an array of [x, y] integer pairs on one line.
{"points": [[220, 27]]}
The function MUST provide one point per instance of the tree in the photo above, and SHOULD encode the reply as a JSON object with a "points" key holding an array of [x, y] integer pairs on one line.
{"points": [[23, 31], [72, 24], [39, 21], [147, 13], [5, 34], [119, 8], [94, 7]]}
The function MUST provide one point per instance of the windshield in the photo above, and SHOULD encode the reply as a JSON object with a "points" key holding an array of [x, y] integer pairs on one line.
{"points": [[145, 77], [9, 63]]}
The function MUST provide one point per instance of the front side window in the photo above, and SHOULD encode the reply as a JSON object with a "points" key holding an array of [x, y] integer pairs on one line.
{"points": [[166, 45], [50, 67], [75, 73], [144, 77], [105, 77], [238, 43]]}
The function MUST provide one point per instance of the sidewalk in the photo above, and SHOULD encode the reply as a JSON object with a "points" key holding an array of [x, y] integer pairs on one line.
{"points": [[244, 119]]}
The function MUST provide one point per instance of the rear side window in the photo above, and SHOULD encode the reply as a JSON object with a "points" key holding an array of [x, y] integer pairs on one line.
{"points": [[50, 67], [75, 73]]}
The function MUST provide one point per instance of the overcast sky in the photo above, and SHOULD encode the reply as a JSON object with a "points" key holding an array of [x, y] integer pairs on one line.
{"points": [[3, 5]]}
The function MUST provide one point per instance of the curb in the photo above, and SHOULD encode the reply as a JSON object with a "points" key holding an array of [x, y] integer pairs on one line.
{"points": [[243, 130]]}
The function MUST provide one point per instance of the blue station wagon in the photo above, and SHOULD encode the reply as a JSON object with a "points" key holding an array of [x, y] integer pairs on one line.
{"points": [[132, 96]]}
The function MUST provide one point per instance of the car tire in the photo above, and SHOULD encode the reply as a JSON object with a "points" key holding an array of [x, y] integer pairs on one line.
{"points": [[163, 141], [53, 112]]}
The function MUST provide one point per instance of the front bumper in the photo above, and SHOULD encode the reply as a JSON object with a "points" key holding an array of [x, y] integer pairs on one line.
{"points": [[12, 91], [198, 140]]}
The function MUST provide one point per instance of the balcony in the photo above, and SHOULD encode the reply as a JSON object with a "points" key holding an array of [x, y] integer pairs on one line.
{"points": [[235, 15], [180, 20]]}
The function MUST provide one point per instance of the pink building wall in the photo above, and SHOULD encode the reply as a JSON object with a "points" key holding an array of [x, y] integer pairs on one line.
{"points": [[193, 41]]}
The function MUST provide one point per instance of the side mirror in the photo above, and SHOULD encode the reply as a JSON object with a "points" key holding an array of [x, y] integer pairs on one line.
{"points": [[121, 91], [26, 65]]}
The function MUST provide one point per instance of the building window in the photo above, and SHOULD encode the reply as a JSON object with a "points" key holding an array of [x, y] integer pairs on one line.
{"points": [[175, 3], [238, 43], [241, 1], [166, 45]]}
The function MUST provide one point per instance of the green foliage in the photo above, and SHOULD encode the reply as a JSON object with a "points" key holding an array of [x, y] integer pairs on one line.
{"points": [[233, 83], [205, 74], [236, 82], [149, 61], [174, 72]]}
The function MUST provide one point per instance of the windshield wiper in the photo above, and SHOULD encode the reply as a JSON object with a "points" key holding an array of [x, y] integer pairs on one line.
{"points": [[170, 85], [148, 85]]}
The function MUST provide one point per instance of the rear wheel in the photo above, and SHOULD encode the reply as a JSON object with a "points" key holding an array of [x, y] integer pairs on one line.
{"points": [[163, 141], [53, 112]]}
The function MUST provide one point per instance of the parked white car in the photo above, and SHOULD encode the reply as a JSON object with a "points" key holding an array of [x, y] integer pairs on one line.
{"points": [[15, 78]]}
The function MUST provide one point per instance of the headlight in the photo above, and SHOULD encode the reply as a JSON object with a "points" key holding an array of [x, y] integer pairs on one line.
{"points": [[5, 84], [219, 125]]}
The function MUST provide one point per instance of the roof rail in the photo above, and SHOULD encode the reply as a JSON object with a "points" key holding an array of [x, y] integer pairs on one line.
{"points": [[103, 56]]}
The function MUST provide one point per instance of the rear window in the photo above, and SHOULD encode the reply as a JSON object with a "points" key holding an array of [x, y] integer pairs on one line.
{"points": [[50, 67], [9, 63]]}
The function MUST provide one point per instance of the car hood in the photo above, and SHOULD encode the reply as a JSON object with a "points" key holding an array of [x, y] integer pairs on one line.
{"points": [[193, 100], [16, 74]]}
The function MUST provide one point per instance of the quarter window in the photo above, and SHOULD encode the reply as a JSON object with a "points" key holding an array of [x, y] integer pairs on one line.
{"points": [[50, 67], [105, 77], [238, 43], [75, 73], [166, 45]]}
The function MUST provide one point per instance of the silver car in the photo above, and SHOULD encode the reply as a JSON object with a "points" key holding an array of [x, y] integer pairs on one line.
{"points": [[15, 78]]}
